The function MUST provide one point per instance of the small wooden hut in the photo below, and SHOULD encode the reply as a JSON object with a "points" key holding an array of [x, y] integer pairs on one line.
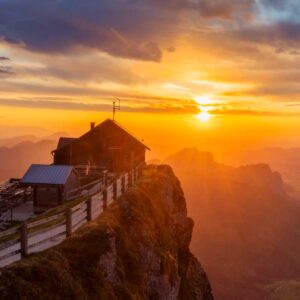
{"points": [[50, 184]]}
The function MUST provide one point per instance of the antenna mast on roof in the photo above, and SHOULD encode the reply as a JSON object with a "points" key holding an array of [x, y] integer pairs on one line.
{"points": [[116, 107]]}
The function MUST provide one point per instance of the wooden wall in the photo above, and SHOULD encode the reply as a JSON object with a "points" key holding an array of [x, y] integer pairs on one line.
{"points": [[106, 146]]}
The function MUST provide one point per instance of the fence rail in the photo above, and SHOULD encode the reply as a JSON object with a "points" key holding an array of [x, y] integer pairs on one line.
{"points": [[51, 228]]}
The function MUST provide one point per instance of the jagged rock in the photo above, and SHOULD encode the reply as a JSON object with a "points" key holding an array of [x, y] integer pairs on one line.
{"points": [[108, 260]]}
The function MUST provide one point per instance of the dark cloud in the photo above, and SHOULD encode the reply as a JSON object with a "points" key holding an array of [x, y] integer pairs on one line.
{"points": [[124, 28], [58, 26], [127, 28], [271, 34], [75, 70], [6, 71], [252, 39]]}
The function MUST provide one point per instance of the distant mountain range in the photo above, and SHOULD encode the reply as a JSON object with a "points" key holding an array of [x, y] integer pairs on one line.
{"points": [[17, 154], [246, 227], [13, 141], [284, 160]]}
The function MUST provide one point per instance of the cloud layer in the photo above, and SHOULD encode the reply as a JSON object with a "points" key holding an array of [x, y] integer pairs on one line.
{"points": [[150, 50]]}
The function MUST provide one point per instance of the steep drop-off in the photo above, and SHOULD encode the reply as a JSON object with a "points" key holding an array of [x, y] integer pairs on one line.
{"points": [[138, 249]]}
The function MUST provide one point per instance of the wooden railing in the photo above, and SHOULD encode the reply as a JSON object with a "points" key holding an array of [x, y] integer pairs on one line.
{"points": [[10, 197], [73, 194], [54, 226]]}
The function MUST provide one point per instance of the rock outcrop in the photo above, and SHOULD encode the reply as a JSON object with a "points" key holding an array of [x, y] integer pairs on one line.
{"points": [[137, 249]]}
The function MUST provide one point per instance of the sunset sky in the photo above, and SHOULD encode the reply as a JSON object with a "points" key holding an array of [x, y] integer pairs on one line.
{"points": [[210, 71]]}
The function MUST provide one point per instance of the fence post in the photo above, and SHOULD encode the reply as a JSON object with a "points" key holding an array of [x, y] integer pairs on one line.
{"points": [[132, 177], [139, 171], [135, 174], [104, 199], [89, 209], [129, 178], [123, 185], [24, 239], [69, 222], [115, 189]]}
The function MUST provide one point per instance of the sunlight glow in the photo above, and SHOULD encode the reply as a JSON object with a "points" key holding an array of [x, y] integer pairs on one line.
{"points": [[203, 100], [204, 116]]}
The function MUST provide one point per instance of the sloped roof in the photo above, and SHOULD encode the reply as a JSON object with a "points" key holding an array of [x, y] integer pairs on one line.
{"points": [[68, 141], [47, 174], [128, 132], [64, 141]]}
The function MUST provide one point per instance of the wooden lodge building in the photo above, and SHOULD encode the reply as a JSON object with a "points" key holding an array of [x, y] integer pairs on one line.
{"points": [[107, 145]]}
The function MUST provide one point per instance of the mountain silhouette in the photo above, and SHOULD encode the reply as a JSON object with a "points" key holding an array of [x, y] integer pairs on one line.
{"points": [[15, 160]]}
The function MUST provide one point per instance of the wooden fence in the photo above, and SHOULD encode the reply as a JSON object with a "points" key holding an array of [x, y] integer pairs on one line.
{"points": [[54, 226]]}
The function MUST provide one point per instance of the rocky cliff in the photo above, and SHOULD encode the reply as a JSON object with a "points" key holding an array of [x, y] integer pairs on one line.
{"points": [[138, 249]]}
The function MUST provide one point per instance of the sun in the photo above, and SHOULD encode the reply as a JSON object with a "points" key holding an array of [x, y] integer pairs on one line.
{"points": [[203, 100], [204, 103], [204, 116]]}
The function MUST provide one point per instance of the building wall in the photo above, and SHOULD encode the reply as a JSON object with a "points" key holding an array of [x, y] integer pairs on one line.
{"points": [[47, 196], [106, 146], [71, 184]]}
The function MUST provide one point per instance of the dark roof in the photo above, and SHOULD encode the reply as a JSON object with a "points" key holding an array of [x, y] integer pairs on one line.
{"points": [[128, 132], [70, 141], [47, 174], [64, 141]]}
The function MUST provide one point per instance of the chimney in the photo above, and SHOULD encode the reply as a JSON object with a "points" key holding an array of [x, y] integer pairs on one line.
{"points": [[92, 125]]}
